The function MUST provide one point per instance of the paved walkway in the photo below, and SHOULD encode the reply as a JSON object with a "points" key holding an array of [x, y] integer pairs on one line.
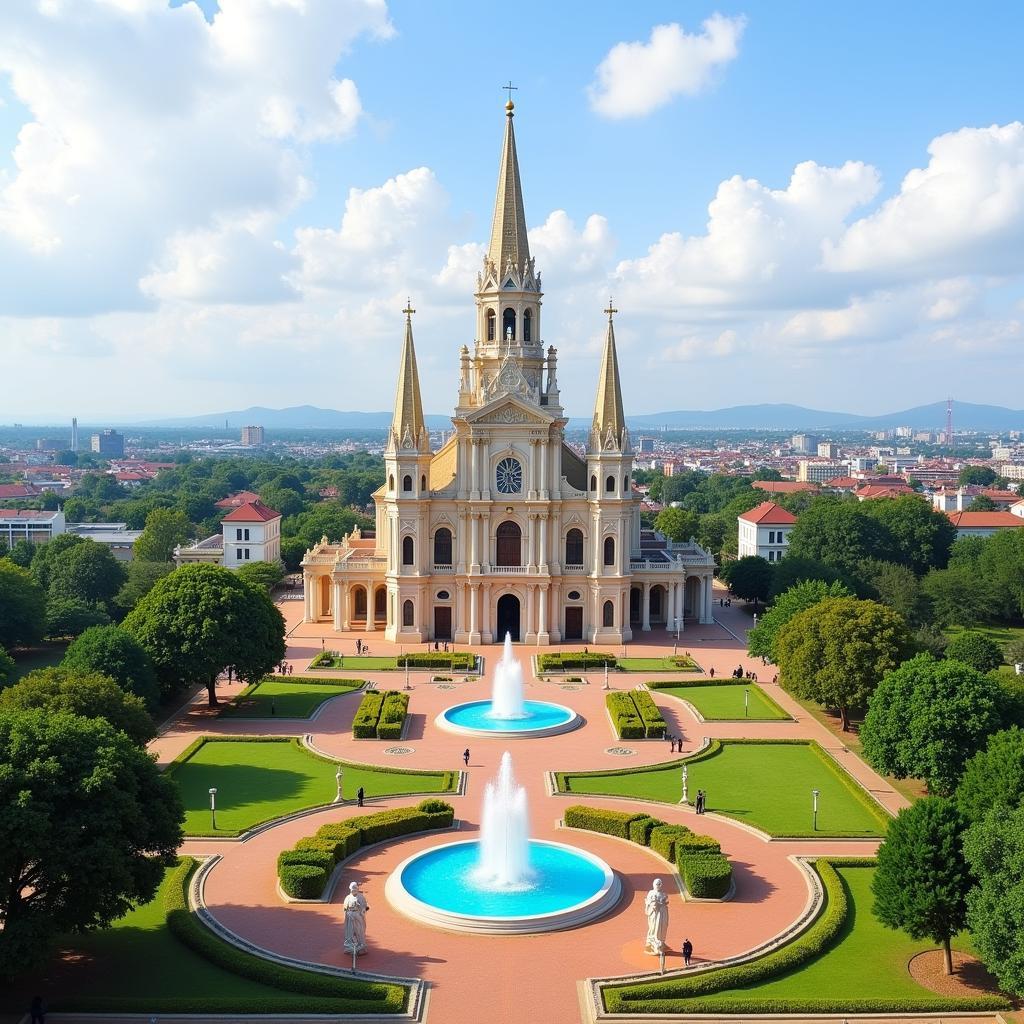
{"points": [[512, 979]]}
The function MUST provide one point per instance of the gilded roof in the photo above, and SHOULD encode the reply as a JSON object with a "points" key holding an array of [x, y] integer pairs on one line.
{"points": [[443, 465]]}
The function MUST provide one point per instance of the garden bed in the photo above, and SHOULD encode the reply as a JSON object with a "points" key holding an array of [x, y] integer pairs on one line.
{"points": [[287, 697]]}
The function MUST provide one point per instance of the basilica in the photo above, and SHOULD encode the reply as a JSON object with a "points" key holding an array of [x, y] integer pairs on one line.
{"points": [[505, 528]]}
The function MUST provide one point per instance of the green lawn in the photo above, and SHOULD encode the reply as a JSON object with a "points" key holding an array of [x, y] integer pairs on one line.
{"points": [[139, 962], [669, 664], [258, 781], [726, 701], [1001, 634], [281, 698], [354, 663], [765, 784]]}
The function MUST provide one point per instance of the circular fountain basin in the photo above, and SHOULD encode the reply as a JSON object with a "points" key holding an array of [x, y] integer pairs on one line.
{"points": [[567, 887], [540, 718]]}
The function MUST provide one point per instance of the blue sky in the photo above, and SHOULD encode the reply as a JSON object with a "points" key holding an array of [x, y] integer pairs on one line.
{"points": [[180, 232]]}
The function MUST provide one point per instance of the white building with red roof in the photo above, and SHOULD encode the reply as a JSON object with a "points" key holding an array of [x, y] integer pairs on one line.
{"points": [[764, 531], [984, 524], [249, 533]]}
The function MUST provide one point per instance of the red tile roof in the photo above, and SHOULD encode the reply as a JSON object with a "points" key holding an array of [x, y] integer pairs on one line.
{"points": [[783, 486], [19, 491], [238, 500], [769, 514], [884, 491], [848, 482], [990, 520], [251, 512], [29, 513]]}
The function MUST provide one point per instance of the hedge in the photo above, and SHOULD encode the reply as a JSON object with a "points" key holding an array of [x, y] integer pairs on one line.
{"points": [[595, 819], [353, 996], [302, 881], [364, 724], [575, 659], [625, 719], [455, 660], [694, 843], [663, 840], [640, 830], [706, 876], [314, 858], [392, 715], [650, 715]]}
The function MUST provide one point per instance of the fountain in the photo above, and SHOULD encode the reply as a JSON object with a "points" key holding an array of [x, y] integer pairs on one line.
{"points": [[505, 882], [507, 714]]}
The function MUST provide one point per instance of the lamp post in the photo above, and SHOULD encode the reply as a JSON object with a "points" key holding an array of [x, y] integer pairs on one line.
{"points": [[337, 778], [814, 803], [746, 703], [686, 775], [213, 808], [606, 675]]}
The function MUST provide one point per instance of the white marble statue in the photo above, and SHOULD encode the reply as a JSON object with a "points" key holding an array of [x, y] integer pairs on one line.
{"points": [[355, 908], [656, 908]]}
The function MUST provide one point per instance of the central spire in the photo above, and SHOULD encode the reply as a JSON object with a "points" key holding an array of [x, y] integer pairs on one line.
{"points": [[508, 230], [408, 429]]}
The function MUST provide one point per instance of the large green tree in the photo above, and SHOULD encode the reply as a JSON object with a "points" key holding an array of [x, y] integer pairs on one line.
{"points": [[165, 529], [922, 879], [958, 595], [66, 617], [837, 650], [895, 585], [975, 649], [793, 570], [113, 652], [87, 572], [1001, 562], [261, 574], [7, 668], [800, 597], [22, 606], [47, 555], [983, 475], [839, 533], [139, 581], [916, 534], [749, 578], [201, 620], [678, 524], [87, 825], [994, 848], [88, 694], [927, 717], [993, 777]]}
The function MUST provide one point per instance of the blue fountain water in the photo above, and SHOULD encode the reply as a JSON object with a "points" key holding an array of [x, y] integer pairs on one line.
{"points": [[479, 714], [447, 878]]}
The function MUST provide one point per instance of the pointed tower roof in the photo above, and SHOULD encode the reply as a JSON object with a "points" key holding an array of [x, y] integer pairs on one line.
{"points": [[608, 432], [408, 429], [508, 230]]}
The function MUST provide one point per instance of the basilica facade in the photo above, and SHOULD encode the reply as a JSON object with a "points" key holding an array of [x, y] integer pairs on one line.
{"points": [[505, 528]]}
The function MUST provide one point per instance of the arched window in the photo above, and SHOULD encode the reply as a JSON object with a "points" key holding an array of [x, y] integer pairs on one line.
{"points": [[408, 614], [509, 547], [423, 482], [593, 483], [609, 550], [380, 604], [574, 547], [608, 614], [443, 546], [508, 323], [407, 551], [527, 327], [491, 324], [609, 485], [407, 483], [391, 483], [359, 611]]}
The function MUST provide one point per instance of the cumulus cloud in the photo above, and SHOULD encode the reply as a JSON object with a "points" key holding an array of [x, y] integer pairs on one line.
{"points": [[636, 78]]}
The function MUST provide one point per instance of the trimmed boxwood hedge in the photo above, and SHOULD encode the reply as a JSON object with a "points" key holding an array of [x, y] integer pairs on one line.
{"points": [[364, 724], [556, 662], [624, 716], [392, 715], [302, 881], [694, 843], [463, 660], [596, 819], [352, 995], [316, 858], [663, 840], [650, 715], [640, 830], [706, 876]]}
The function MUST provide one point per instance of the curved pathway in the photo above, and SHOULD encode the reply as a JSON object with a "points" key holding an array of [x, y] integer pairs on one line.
{"points": [[514, 978]]}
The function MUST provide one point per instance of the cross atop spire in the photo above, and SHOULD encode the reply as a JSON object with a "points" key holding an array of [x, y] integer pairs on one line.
{"points": [[510, 88], [408, 311], [611, 311], [508, 229], [408, 429], [608, 432]]}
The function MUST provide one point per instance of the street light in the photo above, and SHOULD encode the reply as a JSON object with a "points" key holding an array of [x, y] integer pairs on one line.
{"points": [[814, 797], [686, 775], [337, 778], [606, 675], [746, 703], [213, 808]]}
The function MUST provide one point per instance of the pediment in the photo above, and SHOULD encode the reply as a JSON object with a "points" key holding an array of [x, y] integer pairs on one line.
{"points": [[510, 410]]}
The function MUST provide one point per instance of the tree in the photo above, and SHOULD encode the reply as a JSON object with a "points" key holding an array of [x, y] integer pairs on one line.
{"points": [[984, 476], [994, 777], [994, 849], [329, 518], [896, 586], [678, 524], [22, 553], [87, 825], [22, 607], [749, 578], [283, 500], [1001, 562], [837, 650], [1014, 651], [261, 574], [916, 534], [922, 879], [87, 572], [927, 718], [7, 668], [982, 503], [293, 550], [46, 555], [68, 617], [839, 533], [89, 694], [975, 649], [793, 569], [800, 597], [165, 529], [112, 652], [140, 578], [202, 619], [958, 596]]}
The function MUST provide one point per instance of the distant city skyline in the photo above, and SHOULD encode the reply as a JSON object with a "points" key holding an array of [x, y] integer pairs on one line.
{"points": [[221, 206]]}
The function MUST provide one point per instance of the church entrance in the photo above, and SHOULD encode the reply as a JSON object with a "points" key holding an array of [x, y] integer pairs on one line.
{"points": [[574, 622], [508, 618], [442, 623]]}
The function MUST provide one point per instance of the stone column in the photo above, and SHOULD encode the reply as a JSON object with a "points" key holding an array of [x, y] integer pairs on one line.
{"points": [[645, 611], [344, 607], [532, 487], [708, 615], [474, 628], [542, 562], [459, 625], [544, 470], [485, 468], [336, 603], [530, 633], [474, 548], [531, 531], [371, 604], [670, 606], [543, 635], [681, 604], [308, 586], [486, 635], [474, 472]]}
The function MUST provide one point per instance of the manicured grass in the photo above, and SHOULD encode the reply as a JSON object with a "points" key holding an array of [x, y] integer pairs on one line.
{"points": [[138, 960], [669, 664], [866, 961], [281, 698], [356, 663], [726, 701], [259, 780], [765, 784], [1001, 634]]}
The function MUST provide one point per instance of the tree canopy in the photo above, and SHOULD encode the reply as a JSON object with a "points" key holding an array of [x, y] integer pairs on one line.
{"points": [[958, 595], [800, 597], [975, 649], [984, 476], [87, 825], [678, 524], [749, 578], [165, 529], [201, 620], [261, 574], [86, 572], [927, 717], [22, 606], [837, 650], [993, 777], [113, 652], [839, 533]]}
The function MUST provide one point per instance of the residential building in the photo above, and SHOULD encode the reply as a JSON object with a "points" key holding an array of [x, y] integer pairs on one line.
{"points": [[804, 443], [818, 471], [828, 450], [108, 442], [249, 533], [115, 536], [28, 524], [1012, 470], [252, 436], [783, 486], [764, 531], [984, 524]]}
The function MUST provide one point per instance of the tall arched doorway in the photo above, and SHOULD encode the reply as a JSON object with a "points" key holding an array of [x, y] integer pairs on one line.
{"points": [[509, 544], [507, 618]]}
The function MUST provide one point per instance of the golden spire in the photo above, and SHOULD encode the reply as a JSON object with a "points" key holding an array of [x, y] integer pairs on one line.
{"points": [[608, 432], [408, 429], [508, 229]]}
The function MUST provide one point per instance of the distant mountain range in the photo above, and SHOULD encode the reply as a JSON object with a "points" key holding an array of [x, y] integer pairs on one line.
{"points": [[966, 416]]}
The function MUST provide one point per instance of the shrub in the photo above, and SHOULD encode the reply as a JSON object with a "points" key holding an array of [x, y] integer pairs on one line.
{"points": [[346, 838], [640, 830], [325, 659], [302, 881], [624, 716], [595, 819], [689, 845], [650, 715], [707, 876], [575, 659], [663, 840], [316, 858], [459, 660], [336, 849], [364, 724], [979, 651], [392, 715], [432, 805]]}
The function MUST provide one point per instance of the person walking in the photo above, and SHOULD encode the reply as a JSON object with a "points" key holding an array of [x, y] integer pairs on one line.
{"points": [[711, 671], [37, 1011], [360, 796], [465, 757], [687, 952]]}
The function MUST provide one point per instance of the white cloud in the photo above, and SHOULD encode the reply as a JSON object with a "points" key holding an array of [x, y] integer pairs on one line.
{"points": [[635, 79]]}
